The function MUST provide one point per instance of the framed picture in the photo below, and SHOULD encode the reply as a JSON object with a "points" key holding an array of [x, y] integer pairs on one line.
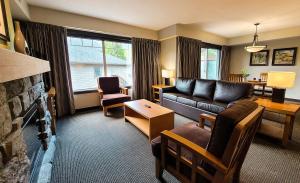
{"points": [[284, 56], [260, 58], [4, 35]]}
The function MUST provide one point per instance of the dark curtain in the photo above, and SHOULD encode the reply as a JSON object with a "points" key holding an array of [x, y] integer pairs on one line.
{"points": [[188, 57], [49, 42], [224, 63], [146, 67]]}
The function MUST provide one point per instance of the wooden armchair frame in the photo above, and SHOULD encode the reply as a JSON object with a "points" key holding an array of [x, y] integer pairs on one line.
{"points": [[227, 167], [105, 108]]}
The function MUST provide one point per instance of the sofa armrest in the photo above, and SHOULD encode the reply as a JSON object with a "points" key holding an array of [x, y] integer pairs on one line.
{"points": [[166, 90], [207, 117]]}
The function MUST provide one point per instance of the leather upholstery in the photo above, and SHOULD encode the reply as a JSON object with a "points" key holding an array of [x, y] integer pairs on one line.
{"points": [[110, 99], [109, 85], [172, 96], [185, 86], [224, 125], [204, 88], [211, 106], [227, 91]]}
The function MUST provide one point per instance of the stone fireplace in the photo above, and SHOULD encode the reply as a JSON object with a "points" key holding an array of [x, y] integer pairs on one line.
{"points": [[24, 119]]}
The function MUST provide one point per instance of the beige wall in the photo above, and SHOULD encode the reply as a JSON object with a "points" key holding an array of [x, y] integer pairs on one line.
{"points": [[55, 17], [86, 100], [240, 60], [168, 55]]}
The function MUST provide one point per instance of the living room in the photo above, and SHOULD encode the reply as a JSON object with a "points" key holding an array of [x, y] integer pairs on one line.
{"points": [[149, 91]]}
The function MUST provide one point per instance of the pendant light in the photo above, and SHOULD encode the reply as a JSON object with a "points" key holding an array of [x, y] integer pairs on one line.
{"points": [[254, 47]]}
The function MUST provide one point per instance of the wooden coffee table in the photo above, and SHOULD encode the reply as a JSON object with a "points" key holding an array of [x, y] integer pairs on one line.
{"points": [[149, 117]]}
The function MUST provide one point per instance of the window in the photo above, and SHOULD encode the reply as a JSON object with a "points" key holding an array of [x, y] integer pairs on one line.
{"points": [[93, 57], [210, 58]]}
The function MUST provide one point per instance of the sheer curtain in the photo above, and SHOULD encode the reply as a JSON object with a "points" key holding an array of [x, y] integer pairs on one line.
{"points": [[146, 67], [49, 42]]}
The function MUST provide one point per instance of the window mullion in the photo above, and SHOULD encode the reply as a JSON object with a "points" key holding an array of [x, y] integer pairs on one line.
{"points": [[104, 58]]}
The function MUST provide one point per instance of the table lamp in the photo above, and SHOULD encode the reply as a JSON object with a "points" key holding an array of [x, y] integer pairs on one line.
{"points": [[167, 74], [279, 81]]}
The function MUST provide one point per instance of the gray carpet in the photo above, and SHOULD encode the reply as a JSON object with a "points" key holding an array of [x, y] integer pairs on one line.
{"points": [[94, 148]]}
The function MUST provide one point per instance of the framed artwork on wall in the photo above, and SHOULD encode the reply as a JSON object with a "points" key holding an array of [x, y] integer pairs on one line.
{"points": [[260, 58], [4, 34], [284, 57]]}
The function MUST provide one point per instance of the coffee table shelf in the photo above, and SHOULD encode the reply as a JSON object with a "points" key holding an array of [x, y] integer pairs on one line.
{"points": [[149, 117]]}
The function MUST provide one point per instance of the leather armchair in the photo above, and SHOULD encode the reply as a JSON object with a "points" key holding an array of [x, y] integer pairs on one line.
{"points": [[111, 95]]}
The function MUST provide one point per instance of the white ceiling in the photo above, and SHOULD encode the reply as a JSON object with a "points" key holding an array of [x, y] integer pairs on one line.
{"points": [[228, 18]]}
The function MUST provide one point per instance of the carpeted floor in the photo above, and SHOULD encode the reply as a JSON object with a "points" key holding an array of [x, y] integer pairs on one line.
{"points": [[94, 148]]}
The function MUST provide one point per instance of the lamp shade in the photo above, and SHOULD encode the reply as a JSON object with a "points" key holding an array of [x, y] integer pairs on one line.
{"points": [[167, 73], [281, 79]]}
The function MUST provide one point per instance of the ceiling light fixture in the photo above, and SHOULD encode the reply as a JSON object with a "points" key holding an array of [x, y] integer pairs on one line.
{"points": [[254, 47]]}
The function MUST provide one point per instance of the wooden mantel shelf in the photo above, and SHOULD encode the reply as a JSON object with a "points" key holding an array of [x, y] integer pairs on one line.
{"points": [[15, 65]]}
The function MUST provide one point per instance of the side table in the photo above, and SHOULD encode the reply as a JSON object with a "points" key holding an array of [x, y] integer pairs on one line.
{"points": [[155, 91], [289, 110]]}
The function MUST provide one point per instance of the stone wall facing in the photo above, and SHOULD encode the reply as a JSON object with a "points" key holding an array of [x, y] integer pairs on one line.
{"points": [[15, 98]]}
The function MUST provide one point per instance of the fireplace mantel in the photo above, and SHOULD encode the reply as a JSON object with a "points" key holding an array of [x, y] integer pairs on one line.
{"points": [[15, 65]]}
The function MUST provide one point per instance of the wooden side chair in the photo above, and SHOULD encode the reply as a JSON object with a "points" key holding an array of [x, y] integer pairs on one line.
{"points": [[111, 95], [194, 154], [237, 78], [263, 91]]}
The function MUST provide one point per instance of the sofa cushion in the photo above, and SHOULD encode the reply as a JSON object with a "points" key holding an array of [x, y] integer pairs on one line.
{"points": [[185, 86], [109, 84], [204, 88], [228, 91], [187, 101], [189, 131], [110, 99], [224, 125], [172, 96], [214, 107]]}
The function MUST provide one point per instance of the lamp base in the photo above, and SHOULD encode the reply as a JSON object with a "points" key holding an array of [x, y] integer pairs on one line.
{"points": [[278, 95], [167, 81]]}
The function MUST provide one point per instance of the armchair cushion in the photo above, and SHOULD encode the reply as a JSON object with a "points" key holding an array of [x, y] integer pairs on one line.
{"points": [[111, 99], [185, 86], [109, 84], [190, 131]]}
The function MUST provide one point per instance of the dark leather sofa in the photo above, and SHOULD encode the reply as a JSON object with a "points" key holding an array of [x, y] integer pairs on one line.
{"points": [[191, 97]]}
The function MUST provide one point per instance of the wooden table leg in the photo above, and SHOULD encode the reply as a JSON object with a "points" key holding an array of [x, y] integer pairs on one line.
{"points": [[291, 127], [286, 130]]}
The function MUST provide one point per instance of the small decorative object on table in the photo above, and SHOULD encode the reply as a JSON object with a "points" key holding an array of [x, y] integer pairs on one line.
{"points": [[280, 81], [284, 57]]}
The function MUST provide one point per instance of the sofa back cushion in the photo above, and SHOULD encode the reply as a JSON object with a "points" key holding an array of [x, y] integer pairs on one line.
{"points": [[109, 85], [228, 91], [204, 89], [184, 85], [224, 126]]}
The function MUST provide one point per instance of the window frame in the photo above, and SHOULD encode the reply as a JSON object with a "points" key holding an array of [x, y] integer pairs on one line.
{"points": [[210, 46], [96, 36]]}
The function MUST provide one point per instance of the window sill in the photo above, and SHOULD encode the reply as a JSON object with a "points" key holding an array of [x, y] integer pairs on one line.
{"points": [[84, 91]]}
